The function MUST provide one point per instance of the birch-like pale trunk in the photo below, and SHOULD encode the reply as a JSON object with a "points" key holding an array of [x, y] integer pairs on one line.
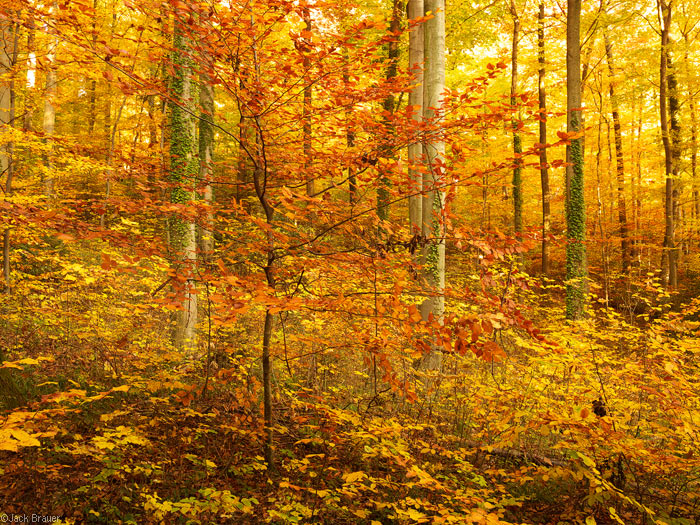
{"points": [[415, 100], [49, 121], [433, 307]]}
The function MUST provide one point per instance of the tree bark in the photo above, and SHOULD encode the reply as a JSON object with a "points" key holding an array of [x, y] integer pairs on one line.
{"points": [[576, 272], [695, 208], [182, 177], [49, 123], [544, 173], [433, 306], [619, 156], [306, 117], [8, 59], [668, 259], [392, 51], [206, 160], [515, 124], [415, 100]]}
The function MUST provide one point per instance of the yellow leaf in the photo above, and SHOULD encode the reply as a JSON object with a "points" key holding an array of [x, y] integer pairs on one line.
{"points": [[24, 439], [353, 476]]}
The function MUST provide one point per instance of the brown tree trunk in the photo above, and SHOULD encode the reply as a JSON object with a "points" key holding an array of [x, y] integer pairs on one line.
{"points": [[306, 117], [668, 260], [544, 173], [515, 123], [619, 157]]}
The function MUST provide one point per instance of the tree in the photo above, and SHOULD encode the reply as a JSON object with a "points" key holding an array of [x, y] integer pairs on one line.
{"points": [[576, 273], [619, 155], [182, 173], [8, 60], [415, 101], [49, 123], [668, 107], [517, 140], [544, 168], [433, 230]]}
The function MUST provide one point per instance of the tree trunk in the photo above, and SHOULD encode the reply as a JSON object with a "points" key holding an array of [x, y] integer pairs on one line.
{"points": [[392, 51], [306, 117], [619, 157], [515, 124], [49, 110], [544, 168], [433, 181], [349, 133], [576, 272], [182, 177], [695, 207], [415, 100], [668, 262], [8, 59], [206, 160]]}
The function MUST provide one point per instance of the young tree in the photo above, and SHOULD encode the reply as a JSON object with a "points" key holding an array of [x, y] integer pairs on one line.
{"points": [[576, 272]]}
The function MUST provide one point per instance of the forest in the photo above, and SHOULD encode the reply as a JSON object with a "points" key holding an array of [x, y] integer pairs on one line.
{"points": [[362, 262]]}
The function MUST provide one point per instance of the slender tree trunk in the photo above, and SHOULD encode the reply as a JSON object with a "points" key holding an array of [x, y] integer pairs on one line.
{"points": [[50, 111], [695, 208], [433, 181], [349, 133], [8, 60], [544, 168], [515, 124], [674, 110], [206, 160], [308, 92], [638, 196], [619, 157], [415, 100], [182, 177], [576, 272], [601, 211], [92, 97]]}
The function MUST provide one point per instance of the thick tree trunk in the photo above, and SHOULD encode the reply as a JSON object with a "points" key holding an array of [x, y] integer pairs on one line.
{"points": [[515, 124], [415, 100], [619, 158], [576, 272], [668, 260], [544, 168], [392, 51], [182, 177], [433, 181]]}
